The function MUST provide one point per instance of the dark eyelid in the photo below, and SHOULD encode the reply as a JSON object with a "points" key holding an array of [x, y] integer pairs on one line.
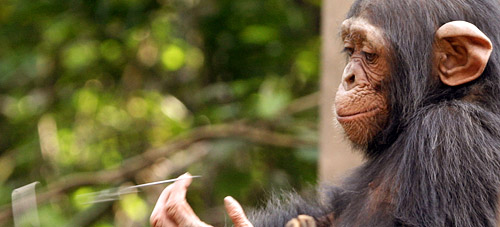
{"points": [[369, 55], [348, 50]]}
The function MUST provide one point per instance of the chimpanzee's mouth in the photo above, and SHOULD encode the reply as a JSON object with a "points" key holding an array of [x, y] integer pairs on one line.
{"points": [[352, 116]]}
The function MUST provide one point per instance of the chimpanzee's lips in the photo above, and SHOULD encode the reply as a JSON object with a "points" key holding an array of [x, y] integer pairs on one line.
{"points": [[344, 116]]}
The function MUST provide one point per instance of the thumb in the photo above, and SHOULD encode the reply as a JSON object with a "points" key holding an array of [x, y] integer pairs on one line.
{"points": [[236, 213]]}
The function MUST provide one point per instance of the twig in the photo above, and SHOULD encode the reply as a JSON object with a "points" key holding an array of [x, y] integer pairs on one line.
{"points": [[303, 103]]}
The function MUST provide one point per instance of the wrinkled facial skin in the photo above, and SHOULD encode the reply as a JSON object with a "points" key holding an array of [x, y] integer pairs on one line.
{"points": [[360, 105]]}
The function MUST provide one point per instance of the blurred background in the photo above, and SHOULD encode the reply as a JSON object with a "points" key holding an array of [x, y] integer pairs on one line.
{"points": [[98, 94]]}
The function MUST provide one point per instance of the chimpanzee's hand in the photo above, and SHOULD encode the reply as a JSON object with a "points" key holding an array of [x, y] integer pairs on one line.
{"points": [[302, 221], [172, 209]]}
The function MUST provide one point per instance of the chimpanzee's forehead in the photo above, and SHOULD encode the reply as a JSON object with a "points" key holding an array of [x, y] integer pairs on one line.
{"points": [[358, 29]]}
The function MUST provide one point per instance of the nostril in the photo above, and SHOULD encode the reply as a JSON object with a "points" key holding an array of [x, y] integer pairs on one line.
{"points": [[351, 79]]}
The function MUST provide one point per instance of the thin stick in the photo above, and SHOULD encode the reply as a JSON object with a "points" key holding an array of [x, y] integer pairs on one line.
{"points": [[112, 194], [160, 182]]}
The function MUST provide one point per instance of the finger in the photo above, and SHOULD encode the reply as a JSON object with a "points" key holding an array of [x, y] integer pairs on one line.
{"points": [[159, 217], [176, 206], [160, 203], [188, 220], [183, 215], [293, 223], [162, 222], [306, 220], [179, 188], [236, 213], [166, 194]]}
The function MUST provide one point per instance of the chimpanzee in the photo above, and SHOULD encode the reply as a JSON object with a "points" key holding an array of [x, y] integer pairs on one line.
{"points": [[420, 94]]}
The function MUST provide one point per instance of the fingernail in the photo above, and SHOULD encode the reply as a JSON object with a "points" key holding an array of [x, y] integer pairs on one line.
{"points": [[228, 200]]}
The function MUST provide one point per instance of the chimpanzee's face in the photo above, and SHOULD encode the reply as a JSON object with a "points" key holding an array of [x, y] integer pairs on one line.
{"points": [[361, 104]]}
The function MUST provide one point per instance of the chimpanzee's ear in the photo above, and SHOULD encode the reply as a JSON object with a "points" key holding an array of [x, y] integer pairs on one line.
{"points": [[462, 52]]}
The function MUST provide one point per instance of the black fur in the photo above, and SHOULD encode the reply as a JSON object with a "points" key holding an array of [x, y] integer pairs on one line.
{"points": [[438, 160]]}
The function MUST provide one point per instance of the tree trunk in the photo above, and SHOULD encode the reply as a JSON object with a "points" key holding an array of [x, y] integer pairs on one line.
{"points": [[336, 156]]}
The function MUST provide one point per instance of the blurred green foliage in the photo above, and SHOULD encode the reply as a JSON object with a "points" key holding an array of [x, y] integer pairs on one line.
{"points": [[85, 85]]}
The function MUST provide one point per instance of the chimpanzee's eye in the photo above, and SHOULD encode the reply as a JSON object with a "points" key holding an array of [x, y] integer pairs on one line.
{"points": [[370, 57], [348, 50]]}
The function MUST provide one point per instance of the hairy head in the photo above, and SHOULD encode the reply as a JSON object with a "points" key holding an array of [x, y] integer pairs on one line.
{"points": [[405, 55]]}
